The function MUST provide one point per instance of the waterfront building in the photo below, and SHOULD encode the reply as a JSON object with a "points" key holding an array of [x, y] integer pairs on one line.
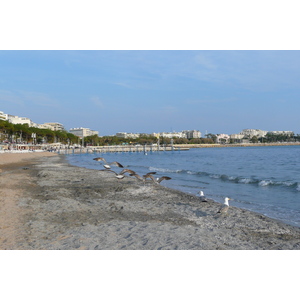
{"points": [[52, 126], [291, 133], [172, 135], [3, 116], [192, 134], [236, 138], [19, 120], [249, 133], [83, 132], [127, 135], [222, 138]]}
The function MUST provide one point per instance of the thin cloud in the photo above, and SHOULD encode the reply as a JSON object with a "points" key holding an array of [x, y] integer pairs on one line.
{"points": [[40, 99], [10, 97], [205, 62], [210, 101], [96, 101]]}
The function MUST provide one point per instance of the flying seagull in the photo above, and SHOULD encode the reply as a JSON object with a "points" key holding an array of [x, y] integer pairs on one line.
{"points": [[225, 207], [118, 175], [142, 178], [157, 180], [108, 164]]}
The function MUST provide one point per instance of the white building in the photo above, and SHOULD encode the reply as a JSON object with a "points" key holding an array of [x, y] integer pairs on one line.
{"points": [[249, 133], [54, 126], [222, 138], [83, 132], [19, 120], [281, 132], [192, 134], [128, 135], [3, 116], [237, 137], [172, 134]]}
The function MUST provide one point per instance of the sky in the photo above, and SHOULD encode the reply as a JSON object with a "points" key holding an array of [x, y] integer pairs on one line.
{"points": [[141, 91]]}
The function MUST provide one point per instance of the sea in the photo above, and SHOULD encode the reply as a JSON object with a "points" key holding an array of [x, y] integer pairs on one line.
{"points": [[265, 179]]}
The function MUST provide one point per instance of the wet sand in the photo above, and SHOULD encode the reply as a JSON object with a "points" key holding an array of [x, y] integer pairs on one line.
{"points": [[48, 204]]}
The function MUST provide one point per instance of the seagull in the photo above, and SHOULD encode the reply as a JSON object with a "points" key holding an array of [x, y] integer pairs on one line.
{"points": [[127, 171], [157, 180], [118, 175], [142, 178], [225, 207], [100, 159], [107, 165], [201, 196]]}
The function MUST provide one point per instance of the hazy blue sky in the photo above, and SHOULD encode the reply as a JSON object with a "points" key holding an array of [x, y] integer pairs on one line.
{"points": [[154, 91]]}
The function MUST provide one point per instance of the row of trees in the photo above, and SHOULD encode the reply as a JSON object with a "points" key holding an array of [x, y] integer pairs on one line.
{"points": [[142, 140], [276, 138], [22, 133]]}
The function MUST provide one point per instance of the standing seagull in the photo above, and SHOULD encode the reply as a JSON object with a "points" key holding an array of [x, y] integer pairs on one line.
{"points": [[202, 197], [225, 207]]}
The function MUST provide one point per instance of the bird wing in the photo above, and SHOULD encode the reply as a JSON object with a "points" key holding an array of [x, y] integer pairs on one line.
{"points": [[151, 173], [127, 171], [224, 209], [99, 158], [117, 164], [149, 176], [163, 178], [137, 176]]}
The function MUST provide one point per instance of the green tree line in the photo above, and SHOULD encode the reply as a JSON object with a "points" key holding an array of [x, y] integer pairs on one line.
{"points": [[23, 133]]}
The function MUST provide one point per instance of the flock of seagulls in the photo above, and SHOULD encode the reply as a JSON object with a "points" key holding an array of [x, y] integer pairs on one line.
{"points": [[143, 178], [120, 175]]}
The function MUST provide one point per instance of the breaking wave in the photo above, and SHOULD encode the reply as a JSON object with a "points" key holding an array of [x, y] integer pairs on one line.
{"points": [[234, 179]]}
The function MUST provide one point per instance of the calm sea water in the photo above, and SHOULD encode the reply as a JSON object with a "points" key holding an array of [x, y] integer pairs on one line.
{"points": [[261, 179]]}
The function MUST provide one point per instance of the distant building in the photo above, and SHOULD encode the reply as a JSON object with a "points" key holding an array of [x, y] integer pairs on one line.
{"points": [[222, 138], [52, 126], [236, 138], [192, 134], [19, 120], [249, 133], [83, 132], [3, 116], [281, 132], [126, 135], [172, 134]]}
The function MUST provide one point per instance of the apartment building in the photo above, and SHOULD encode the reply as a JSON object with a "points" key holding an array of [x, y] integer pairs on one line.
{"points": [[83, 132], [282, 132], [127, 135], [19, 120], [222, 138], [192, 134], [52, 126], [249, 133], [3, 116]]}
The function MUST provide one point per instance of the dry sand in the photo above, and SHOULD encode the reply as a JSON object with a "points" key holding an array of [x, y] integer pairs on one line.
{"points": [[48, 204]]}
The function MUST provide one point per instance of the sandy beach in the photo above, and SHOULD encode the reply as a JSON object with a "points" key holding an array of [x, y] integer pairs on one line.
{"points": [[48, 204]]}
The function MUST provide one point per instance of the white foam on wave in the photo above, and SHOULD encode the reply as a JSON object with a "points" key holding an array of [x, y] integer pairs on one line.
{"points": [[265, 182], [246, 180], [164, 170]]}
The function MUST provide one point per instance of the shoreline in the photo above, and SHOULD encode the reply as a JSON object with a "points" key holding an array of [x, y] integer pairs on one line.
{"points": [[235, 145], [54, 205]]}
